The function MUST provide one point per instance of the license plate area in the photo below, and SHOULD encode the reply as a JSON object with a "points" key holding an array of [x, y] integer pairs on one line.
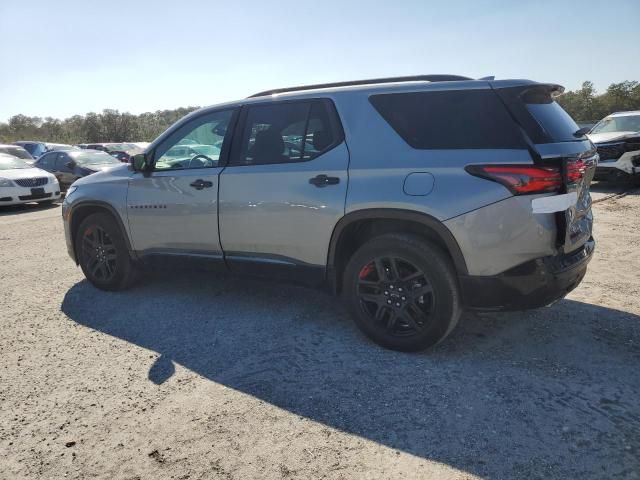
{"points": [[576, 223]]}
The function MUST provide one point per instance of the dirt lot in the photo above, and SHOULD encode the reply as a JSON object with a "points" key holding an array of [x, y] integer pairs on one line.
{"points": [[193, 377]]}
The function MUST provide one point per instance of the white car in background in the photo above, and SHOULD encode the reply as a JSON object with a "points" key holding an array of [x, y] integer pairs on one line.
{"points": [[617, 138], [23, 183]]}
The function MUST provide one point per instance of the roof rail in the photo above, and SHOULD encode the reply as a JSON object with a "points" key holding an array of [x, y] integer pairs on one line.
{"points": [[413, 78]]}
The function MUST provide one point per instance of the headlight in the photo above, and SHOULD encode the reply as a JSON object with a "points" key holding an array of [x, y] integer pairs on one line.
{"points": [[70, 190], [53, 179], [5, 182]]}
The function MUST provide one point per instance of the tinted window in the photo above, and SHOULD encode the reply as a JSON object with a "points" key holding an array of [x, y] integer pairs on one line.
{"points": [[61, 159], [287, 132], [557, 123], [47, 161], [30, 147], [449, 120]]}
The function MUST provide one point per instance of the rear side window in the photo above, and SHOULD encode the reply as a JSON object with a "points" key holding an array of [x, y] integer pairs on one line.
{"points": [[287, 132], [461, 119], [558, 124]]}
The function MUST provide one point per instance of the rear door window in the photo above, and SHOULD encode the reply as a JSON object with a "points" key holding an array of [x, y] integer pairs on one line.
{"points": [[460, 119], [288, 132]]}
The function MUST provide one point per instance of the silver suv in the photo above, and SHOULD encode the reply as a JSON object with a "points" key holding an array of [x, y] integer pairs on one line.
{"points": [[413, 198]]}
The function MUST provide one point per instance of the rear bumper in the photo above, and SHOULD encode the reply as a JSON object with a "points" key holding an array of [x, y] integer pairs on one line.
{"points": [[533, 284]]}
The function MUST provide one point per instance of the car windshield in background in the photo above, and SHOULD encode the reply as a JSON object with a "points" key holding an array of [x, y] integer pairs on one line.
{"points": [[626, 123], [59, 146], [208, 150], [16, 152], [121, 147], [7, 162], [95, 158]]}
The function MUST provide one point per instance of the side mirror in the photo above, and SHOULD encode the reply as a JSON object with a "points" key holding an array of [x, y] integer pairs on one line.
{"points": [[139, 162], [70, 165]]}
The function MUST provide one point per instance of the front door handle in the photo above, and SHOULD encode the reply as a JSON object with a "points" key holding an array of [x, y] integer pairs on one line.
{"points": [[200, 184], [322, 181]]}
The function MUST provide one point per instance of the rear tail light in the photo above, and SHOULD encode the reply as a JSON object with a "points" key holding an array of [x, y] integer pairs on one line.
{"points": [[520, 179], [575, 170]]}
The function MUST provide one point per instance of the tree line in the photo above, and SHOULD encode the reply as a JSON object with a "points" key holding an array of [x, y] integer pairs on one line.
{"points": [[108, 126], [584, 105]]}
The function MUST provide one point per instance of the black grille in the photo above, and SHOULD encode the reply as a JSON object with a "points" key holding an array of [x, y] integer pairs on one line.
{"points": [[610, 151], [32, 182]]}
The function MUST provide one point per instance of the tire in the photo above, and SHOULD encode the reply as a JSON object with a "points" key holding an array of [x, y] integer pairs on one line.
{"points": [[104, 257], [420, 309]]}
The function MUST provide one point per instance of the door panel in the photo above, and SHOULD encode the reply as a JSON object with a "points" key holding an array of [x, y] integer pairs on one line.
{"points": [[273, 211], [174, 209], [167, 214]]}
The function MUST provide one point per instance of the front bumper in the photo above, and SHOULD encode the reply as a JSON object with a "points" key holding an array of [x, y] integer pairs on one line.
{"points": [[17, 195], [627, 164], [533, 284]]}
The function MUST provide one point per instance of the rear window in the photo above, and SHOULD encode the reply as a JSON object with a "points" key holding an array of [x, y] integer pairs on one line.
{"points": [[461, 119], [550, 115]]}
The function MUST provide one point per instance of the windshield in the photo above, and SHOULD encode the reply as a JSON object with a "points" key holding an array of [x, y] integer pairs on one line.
{"points": [[626, 123], [16, 152], [60, 146], [95, 158], [121, 147], [7, 162]]}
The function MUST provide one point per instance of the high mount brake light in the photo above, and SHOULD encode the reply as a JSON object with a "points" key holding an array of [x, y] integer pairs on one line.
{"points": [[520, 179]]}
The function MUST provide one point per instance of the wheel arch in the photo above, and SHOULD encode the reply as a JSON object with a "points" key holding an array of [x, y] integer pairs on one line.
{"points": [[82, 210], [357, 227]]}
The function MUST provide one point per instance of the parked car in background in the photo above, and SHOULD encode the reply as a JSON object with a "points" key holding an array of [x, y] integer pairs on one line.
{"points": [[68, 166], [21, 182], [617, 138], [36, 149], [413, 198], [121, 151], [17, 151]]}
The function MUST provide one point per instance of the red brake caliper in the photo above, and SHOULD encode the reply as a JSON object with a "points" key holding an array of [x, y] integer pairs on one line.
{"points": [[366, 270]]}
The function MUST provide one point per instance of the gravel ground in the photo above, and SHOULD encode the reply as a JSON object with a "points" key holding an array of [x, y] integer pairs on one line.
{"points": [[193, 376]]}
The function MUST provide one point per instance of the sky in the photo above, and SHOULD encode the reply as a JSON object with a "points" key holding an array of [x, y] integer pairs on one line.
{"points": [[65, 57]]}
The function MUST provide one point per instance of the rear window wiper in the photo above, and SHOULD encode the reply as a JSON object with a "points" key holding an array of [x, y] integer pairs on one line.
{"points": [[581, 132]]}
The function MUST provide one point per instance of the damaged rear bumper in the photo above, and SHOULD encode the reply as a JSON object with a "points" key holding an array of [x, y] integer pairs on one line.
{"points": [[533, 284]]}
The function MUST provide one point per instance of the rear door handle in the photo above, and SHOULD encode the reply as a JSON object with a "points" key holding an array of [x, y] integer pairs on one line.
{"points": [[322, 181], [200, 184]]}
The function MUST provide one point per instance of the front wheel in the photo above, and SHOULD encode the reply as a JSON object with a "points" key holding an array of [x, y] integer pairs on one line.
{"points": [[402, 292], [103, 254]]}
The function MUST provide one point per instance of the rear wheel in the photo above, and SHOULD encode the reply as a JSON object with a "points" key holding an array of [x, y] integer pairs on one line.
{"points": [[102, 253], [402, 292]]}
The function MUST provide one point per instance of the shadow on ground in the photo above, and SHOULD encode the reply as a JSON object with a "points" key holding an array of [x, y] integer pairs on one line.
{"points": [[7, 210], [547, 394], [616, 187]]}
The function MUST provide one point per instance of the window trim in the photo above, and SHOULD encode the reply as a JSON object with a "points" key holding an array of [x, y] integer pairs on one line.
{"points": [[335, 124], [181, 127]]}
